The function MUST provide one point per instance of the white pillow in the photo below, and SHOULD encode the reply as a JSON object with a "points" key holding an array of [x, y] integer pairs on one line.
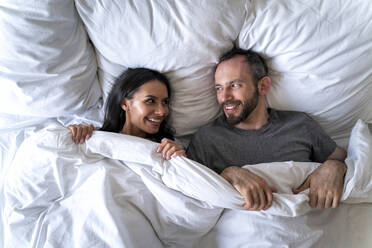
{"points": [[358, 178], [47, 65], [184, 39], [319, 53]]}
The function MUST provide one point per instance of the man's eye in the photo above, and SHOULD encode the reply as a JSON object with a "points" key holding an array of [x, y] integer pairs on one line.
{"points": [[218, 88], [234, 85]]}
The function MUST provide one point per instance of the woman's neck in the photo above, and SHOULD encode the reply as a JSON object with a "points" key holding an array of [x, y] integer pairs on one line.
{"points": [[130, 130]]}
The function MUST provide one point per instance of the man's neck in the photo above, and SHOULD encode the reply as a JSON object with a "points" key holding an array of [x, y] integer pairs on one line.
{"points": [[256, 120]]}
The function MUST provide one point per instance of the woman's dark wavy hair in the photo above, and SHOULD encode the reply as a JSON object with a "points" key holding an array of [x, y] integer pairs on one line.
{"points": [[125, 87]]}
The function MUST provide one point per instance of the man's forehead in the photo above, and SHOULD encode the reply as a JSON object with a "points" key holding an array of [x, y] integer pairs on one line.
{"points": [[238, 60], [238, 63], [236, 68]]}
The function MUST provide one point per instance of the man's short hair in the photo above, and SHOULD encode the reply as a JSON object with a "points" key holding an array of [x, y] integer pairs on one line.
{"points": [[256, 63]]}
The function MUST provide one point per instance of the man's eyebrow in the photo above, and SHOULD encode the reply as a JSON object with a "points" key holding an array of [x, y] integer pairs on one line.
{"points": [[237, 80], [232, 81]]}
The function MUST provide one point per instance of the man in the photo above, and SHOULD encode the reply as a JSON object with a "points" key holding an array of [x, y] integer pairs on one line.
{"points": [[248, 133]]}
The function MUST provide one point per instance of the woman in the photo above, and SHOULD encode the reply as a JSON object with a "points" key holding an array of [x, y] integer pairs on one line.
{"points": [[137, 105]]}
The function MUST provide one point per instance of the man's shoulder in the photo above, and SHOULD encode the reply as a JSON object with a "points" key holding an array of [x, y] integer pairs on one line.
{"points": [[290, 115], [211, 129]]}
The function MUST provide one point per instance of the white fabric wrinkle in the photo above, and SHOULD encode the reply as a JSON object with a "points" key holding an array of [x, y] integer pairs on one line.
{"points": [[183, 200]]}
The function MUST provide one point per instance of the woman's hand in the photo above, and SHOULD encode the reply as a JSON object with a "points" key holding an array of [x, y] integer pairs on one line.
{"points": [[81, 132], [170, 149]]}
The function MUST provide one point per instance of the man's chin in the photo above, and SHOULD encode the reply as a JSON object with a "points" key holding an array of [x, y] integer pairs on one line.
{"points": [[232, 120]]}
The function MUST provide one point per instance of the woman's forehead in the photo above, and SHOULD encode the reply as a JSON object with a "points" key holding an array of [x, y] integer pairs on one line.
{"points": [[154, 88]]}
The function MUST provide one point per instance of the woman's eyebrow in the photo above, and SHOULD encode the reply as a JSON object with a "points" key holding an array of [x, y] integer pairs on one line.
{"points": [[155, 97], [151, 96]]}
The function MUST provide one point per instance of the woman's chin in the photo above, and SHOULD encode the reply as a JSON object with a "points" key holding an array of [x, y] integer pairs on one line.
{"points": [[152, 130]]}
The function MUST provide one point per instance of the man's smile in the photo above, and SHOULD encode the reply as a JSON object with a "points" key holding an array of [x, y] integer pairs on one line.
{"points": [[231, 107]]}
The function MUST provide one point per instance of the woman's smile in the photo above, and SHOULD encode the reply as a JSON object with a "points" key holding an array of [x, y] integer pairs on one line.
{"points": [[147, 109]]}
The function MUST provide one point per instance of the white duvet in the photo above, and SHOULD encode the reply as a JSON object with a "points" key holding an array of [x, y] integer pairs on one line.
{"points": [[117, 191], [57, 194]]}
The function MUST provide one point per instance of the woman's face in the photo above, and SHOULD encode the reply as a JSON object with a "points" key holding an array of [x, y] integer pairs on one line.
{"points": [[146, 110]]}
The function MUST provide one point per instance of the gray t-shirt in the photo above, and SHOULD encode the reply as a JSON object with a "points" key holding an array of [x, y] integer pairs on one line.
{"points": [[287, 136]]}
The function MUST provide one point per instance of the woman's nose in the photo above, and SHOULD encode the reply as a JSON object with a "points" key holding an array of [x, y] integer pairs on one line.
{"points": [[161, 110]]}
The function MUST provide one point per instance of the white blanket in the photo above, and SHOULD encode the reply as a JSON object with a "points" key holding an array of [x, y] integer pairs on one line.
{"points": [[117, 191]]}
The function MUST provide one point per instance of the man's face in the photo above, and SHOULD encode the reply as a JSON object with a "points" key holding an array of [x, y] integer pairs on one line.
{"points": [[235, 88]]}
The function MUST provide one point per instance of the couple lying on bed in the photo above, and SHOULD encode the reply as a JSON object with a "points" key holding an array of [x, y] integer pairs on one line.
{"points": [[247, 133]]}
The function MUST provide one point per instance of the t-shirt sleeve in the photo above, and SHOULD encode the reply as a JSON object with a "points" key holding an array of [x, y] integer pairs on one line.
{"points": [[322, 144]]}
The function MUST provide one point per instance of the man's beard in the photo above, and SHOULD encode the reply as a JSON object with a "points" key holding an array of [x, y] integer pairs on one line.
{"points": [[248, 108]]}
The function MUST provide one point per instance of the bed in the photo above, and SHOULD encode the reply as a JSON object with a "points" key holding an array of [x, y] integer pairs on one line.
{"points": [[58, 61]]}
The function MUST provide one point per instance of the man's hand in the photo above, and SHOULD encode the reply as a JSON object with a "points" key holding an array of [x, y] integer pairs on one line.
{"points": [[326, 184], [255, 191]]}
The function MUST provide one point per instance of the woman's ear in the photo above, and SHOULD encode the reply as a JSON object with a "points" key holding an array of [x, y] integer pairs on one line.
{"points": [[124, 105], [264, 85]]}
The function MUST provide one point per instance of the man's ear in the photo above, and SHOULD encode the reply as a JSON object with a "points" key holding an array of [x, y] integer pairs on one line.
{"points": [[264, 85]]}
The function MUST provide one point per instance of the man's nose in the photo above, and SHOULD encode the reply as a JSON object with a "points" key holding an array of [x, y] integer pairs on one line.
{"points": [[225, 95]]}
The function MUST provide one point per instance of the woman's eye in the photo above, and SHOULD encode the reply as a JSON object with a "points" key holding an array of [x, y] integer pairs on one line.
{"points": [[149, 101], [166, 102]]}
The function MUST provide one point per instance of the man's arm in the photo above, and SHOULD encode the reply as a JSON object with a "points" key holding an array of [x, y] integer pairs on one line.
{"points": [[254, 189], [327, 181], [338, 154]]}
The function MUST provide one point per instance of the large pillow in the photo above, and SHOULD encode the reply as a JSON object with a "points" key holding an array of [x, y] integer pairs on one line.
{"points": [[319, 53], [358, 178], [184, 39], [47, 65]]}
